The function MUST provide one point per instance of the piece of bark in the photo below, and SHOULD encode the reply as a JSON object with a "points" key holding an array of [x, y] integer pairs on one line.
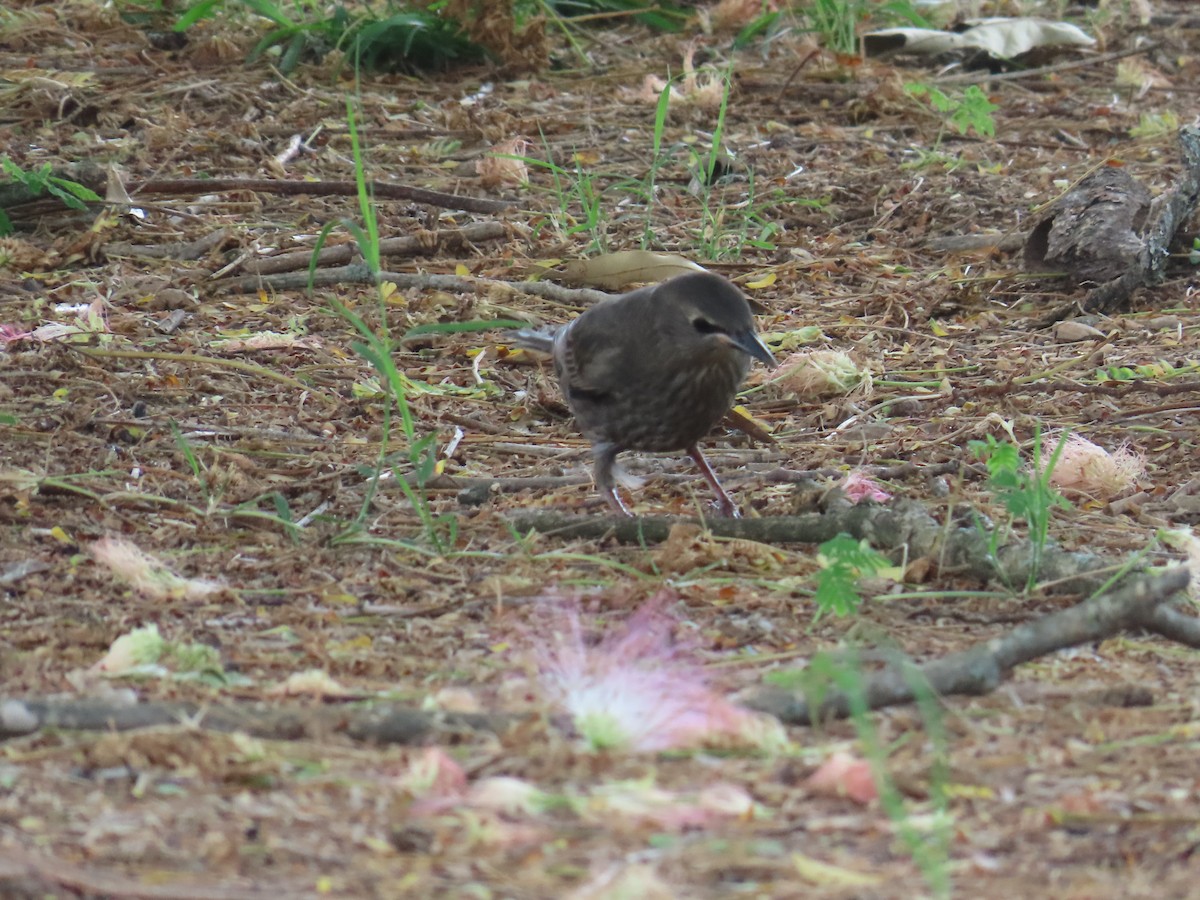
{"points": [[1172, 209], [1094, 231]]}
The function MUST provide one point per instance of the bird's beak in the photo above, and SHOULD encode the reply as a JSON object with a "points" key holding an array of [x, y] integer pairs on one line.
{"points": [[750, 343]]}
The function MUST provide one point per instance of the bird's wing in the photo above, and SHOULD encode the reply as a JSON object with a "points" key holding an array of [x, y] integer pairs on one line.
{"points": [[590, 358]]}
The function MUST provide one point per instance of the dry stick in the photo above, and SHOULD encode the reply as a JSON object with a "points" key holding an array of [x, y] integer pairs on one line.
{"points": [[200, 431], [545, 289], [1159, 410], [235, 364], [1174, 21], [1150, 268], [981, 669], [29, 875], [13, 573], [17, 194], [378, 189], [474, 490], [182, 250], [361, 274], [384, 723], [984, 75], [474, 424], [428, 243], [1121, 388], [814, 477]]}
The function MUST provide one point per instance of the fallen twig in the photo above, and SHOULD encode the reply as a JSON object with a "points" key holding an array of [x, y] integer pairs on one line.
{"points": [[217, 361], [384, 723], [981, 668], [424, 244], [361, 274], [182, 250], [380, 190], [30, 875], [16, 194]]}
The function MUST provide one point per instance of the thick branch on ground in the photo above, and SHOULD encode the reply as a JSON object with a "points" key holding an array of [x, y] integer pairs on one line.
{"points": [[981, 669], [361, 274], [1140, 602], [903, 528], [382, 723], [1173, 625]]}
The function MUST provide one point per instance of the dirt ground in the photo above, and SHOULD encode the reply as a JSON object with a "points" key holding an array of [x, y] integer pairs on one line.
{"points": [[252, 465]]}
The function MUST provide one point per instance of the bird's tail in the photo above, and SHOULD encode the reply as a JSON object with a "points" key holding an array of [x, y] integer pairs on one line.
{"points": [[625, 478]]}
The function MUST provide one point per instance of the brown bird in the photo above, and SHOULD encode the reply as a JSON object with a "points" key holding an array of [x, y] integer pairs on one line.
{"points": [[655, 369]]}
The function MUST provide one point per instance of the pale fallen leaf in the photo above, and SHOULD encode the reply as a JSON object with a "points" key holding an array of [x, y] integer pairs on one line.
{"points": [[612, 271], [266, 340], [825, 874], [1185, 539], [310, 683], [1002, 38], [1070, 331], [624, 882]]}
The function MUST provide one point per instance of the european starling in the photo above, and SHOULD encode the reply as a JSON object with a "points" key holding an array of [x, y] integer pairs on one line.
{"points": [[655, 369]]}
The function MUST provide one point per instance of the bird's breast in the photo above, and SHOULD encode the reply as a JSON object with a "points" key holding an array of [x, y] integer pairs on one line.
{"points": [[666, 407]]}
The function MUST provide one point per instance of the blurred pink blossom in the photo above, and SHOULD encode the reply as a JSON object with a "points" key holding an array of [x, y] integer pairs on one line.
{"points": [[637, 689], [844, 775], [858, 486]]}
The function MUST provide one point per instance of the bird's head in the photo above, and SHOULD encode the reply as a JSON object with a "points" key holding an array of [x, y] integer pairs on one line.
{"points": [[708, 313]]}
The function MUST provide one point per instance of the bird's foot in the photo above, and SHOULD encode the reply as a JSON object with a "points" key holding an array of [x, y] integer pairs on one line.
{"points": [[724, 504], [615, 501], [727, 508]]}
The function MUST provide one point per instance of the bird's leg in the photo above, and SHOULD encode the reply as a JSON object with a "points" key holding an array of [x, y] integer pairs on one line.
{"points": [[725, 504], [605, 456]]}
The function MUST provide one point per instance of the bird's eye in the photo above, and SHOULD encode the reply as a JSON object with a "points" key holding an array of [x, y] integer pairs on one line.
{"points": [[704, 326]]}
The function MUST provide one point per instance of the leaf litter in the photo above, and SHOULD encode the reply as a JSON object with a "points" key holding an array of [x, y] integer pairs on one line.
{"points": [[1078, 777]]}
